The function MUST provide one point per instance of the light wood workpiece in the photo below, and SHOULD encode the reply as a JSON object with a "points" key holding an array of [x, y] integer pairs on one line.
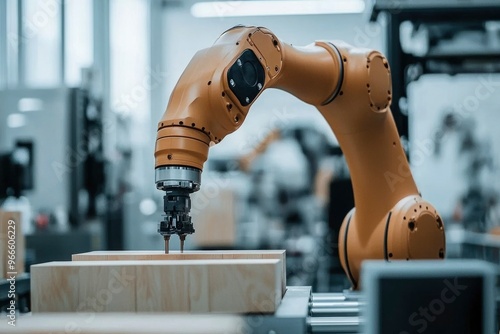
{"points": [[201, 285], [188, 255]]}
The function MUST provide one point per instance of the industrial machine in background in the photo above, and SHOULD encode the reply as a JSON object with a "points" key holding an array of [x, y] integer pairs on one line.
{"points": [[56, 178], [475, 206], [429, 37], [281, 203], [16, 170]]}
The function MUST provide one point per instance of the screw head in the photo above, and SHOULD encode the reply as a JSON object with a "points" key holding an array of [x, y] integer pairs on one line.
{"points": [[259, 86], [232, 83], [247, 99], [411, 225], [239, 62]]}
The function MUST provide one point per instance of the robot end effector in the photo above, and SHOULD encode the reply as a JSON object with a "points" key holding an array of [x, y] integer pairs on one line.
{"points": [[178, 182]]}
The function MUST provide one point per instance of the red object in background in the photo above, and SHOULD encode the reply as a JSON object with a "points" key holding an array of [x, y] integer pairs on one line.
{"points": [[42, 221]]}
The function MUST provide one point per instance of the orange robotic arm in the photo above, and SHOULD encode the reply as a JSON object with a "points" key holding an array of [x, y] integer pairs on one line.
{"points": [[351, 87]]}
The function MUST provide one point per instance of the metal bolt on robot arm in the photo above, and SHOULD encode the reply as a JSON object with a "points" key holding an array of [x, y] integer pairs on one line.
{"points": [[351, 88]]}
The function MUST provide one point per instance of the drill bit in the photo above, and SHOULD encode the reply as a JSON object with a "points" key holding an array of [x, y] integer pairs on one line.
{"points": [[167, 240], [183, 238]]}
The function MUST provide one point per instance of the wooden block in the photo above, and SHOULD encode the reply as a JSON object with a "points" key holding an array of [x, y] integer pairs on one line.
{"points": [[54, 287], [185, 288], [281, 255], [262, 254], [230, 286], [59, 287], [107, 288], [188, 255], [121, 323], [11, 229], [224, 280], [233, 286]]}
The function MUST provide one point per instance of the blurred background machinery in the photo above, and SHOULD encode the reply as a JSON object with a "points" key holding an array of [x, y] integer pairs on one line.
{"points": [[284, 202], [53, 170]]}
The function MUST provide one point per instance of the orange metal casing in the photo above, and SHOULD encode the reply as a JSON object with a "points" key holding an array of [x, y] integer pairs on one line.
{"points": [[351, 87]]}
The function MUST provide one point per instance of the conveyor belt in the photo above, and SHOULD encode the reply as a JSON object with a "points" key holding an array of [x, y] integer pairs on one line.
{"points": [[334, 312]]}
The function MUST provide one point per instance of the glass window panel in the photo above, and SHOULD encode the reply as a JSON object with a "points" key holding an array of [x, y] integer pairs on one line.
{"points": [[3, 44], [129, 58], [131, 81], [41, 38], [13, 41], [78, 39]]}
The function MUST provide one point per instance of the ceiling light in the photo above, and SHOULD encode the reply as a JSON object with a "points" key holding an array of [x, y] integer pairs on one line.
{"points": [[16, 120], [29, 104], [266, 8]]}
